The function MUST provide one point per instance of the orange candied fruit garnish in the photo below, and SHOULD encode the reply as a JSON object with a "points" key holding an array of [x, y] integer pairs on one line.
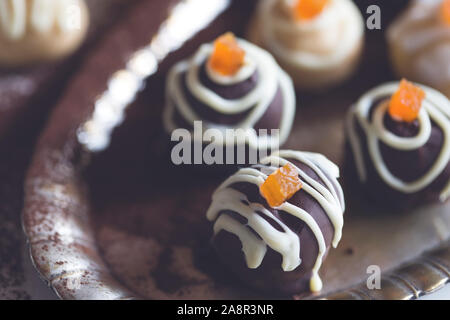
{"points": [[227, 57], [405, 104], [281, 185], [309, 9], [445, 11]]}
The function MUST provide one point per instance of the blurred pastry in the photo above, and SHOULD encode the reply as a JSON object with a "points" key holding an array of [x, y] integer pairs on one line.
{"points": [[318, 42], [419, 44], [40, 30], [399, 136]]}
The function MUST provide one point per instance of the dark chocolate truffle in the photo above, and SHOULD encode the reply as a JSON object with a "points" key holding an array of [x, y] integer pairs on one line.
{"points": [[282, 248], [400, 164], [258, 96]]}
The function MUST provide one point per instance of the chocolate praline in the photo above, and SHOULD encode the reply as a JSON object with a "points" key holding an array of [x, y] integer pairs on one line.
{"points": [[259, 98], [408, 166], [269, 276]]}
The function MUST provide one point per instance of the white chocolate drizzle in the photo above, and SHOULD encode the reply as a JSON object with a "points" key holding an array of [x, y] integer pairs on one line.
{"points": [[435, 107], [271, 79], [317, 44], [285, 242], [38, 15]]}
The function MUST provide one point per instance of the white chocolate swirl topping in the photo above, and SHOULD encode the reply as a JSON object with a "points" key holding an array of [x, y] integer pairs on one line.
{"points": [[435, 107], [270, 79], [287, 243], [419, 43], [316, 44], [17, 17]]}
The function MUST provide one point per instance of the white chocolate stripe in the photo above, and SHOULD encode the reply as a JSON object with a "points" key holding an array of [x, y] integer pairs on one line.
{"points": [[253, 248], [435, 107], [312, 224], [322, 162], [287, 243], [315, 162], [245, 72], [323, 196], [223, 199], [402, 143], [261, 96]]}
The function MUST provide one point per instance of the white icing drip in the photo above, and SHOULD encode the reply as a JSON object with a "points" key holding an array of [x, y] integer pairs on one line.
{"points": [[322, 42], [435, 107], [421, 43], [271, 77], [253, 248], [39, 15], [286, 243]]}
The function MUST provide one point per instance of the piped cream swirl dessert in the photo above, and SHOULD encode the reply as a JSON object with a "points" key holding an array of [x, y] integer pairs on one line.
{"points": [[318, 42]]}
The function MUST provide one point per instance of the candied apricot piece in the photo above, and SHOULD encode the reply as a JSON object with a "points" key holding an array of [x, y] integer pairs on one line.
{"points": [[309, 9], [406, 102], [281, 185], [227, 57], [445, 11]]}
